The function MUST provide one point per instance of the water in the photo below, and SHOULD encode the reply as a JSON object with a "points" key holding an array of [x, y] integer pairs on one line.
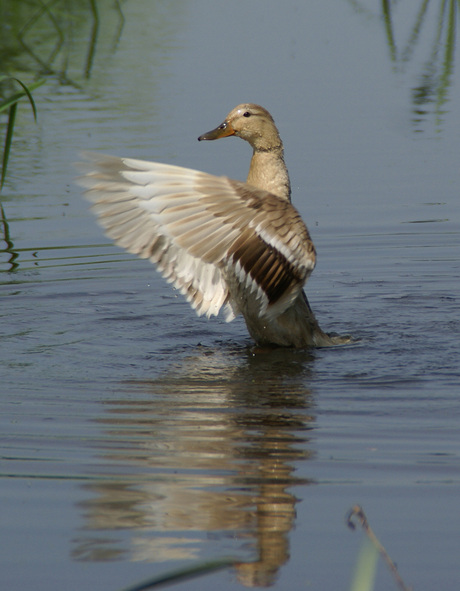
{"points": [[136, 437]]}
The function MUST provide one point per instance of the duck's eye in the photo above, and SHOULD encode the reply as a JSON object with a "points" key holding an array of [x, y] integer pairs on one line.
{"points": [[247, 114]]}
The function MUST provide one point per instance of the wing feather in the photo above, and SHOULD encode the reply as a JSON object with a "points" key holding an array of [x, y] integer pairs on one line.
{"points": [[212, 237]]}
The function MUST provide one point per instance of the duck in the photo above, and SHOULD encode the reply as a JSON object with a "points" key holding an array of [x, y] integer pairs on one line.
{"points": [[237, 247]]}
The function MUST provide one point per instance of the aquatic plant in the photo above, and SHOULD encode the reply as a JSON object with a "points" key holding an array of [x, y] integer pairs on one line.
{"points": [[10, 105]]}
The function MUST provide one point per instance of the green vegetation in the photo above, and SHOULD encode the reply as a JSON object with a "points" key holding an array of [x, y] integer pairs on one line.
{"points": [[10, 105], [38, 41]]}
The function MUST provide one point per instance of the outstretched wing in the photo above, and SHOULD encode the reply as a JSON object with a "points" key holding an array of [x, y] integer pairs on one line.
{"points": [[200, 229]]}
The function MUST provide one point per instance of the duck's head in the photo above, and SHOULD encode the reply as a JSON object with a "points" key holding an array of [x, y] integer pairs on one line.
{"points": [[251, 122]]}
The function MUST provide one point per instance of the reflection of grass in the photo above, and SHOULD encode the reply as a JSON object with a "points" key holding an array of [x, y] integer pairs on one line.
{"points": [[435, 78], [40, 37], [46, 32], [7, 239]]}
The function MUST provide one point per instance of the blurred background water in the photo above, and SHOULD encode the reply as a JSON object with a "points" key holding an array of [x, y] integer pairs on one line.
{"points": [[136, 437]]}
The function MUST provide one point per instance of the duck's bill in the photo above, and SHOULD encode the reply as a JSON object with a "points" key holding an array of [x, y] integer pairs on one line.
{"points": [[224, 130]]}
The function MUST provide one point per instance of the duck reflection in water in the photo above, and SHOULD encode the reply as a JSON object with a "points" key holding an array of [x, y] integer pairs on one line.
{"points": [[200, 462]]}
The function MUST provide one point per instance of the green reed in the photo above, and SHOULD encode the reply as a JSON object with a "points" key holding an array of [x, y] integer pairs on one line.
{"points": [[10, 104]]}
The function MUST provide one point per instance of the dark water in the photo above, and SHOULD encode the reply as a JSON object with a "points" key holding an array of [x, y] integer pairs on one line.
{"points": [[136, 437]]}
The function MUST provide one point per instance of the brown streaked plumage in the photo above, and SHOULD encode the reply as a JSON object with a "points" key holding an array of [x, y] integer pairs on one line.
{"points": [[240, 247]]}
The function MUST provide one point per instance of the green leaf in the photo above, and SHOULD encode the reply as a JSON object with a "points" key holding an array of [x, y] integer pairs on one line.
{"points": [[19, 95]]}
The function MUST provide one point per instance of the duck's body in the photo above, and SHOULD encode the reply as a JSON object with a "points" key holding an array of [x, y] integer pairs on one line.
{"points": [[224, 244]]}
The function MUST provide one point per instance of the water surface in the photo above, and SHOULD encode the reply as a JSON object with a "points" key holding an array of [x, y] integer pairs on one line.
{"points": [[136, 437]]}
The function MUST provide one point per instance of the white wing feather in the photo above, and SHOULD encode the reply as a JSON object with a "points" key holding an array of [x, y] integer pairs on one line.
{"points": [[190, 224]]}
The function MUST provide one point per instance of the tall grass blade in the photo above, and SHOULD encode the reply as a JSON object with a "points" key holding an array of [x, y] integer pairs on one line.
{"points": [[12, 104], [19, 95], [356, 513], [8, 140], [28, 92], [366, 567]]}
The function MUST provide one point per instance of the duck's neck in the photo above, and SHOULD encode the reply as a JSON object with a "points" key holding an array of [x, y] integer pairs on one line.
{"points": [[268, 171]]}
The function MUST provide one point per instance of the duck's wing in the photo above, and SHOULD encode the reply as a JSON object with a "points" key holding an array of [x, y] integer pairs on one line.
{"points": [[198, 228]]}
